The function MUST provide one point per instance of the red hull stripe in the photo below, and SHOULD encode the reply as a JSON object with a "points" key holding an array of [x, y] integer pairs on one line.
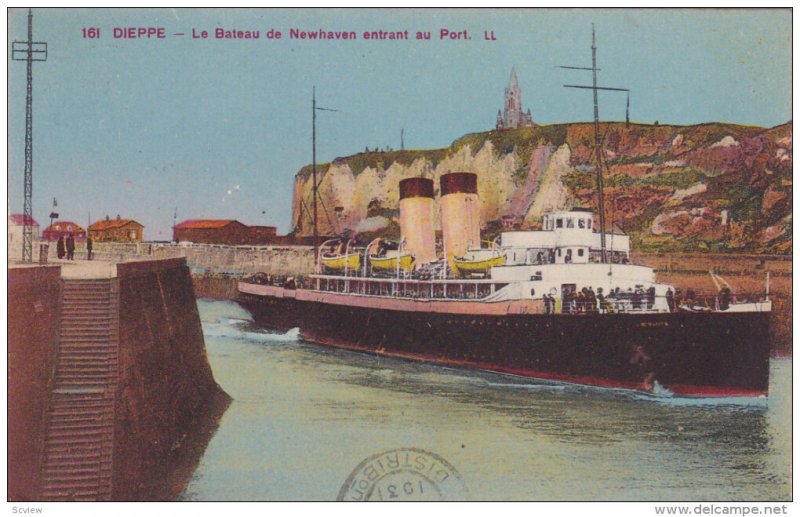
{"points": [[678, 389]]}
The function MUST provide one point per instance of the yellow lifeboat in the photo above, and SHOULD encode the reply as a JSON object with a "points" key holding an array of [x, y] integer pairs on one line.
{"points": [[341, 262], [388, 257], [477, 262], [390, 263], [336, 256]]}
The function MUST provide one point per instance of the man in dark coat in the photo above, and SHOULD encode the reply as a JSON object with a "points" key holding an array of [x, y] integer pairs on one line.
{"points": [[70, 247], [60, 247], [88, 248]]}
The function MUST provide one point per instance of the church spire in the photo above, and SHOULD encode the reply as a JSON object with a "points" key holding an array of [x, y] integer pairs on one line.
{"points": [[513, 83]]}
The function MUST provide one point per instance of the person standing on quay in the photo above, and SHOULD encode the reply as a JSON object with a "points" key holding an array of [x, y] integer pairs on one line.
{"points": [[60, 247], [88, 248], [70, 247]]}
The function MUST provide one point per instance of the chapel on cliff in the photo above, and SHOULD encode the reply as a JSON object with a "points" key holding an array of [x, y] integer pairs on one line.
{"points": [[512, 115]]}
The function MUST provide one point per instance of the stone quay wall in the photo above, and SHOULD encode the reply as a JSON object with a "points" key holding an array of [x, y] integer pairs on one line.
{"points": [[211, 258], [34, 309], [166, 386]]}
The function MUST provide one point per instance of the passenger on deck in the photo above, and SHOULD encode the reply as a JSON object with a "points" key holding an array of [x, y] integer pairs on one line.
{"points": [[670, 300], [636, 300], [592, 301], [724, 299], [601, 301]]}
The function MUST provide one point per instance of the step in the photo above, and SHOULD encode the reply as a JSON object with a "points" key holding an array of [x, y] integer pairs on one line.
{"points": [[86, 281], [77, 339], [77, 309], [76, 376], [78, 404], [70, 371], [99, 423], [85, 296], [72, 496], [94, 369], [88, 321], [76, 441], [74, 414], [84, 331], [57, 484], [94, 331], [79, 359], [89, 303], [81, 314], [63, 473], [78, 433], [75, 401], [73, 342], [74, 346], [86, 311], [75, 451], [71, 460], [86, 358], [81, 383], [65, 420], [93, 395], [88, 381], [70, 353], [96, 364], [93, 359]]}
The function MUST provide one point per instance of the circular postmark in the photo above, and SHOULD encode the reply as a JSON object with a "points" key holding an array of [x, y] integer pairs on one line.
{"points": [[406, 474]]}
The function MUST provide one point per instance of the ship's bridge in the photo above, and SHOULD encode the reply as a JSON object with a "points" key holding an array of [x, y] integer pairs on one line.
{"points": [[567, 237]]}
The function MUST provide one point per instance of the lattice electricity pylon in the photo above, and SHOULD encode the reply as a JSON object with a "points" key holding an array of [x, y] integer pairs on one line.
{"points": [[29, 51]]}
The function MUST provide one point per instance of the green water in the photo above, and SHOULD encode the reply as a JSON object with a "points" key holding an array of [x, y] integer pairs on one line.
{"points": [[303, 417]]}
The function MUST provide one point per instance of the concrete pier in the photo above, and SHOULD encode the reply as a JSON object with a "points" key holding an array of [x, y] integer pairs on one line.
{"points": [[111, 396]]}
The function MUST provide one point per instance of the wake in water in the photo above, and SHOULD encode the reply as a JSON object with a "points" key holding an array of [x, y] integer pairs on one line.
{"points": [[243, 330], [660, 395]]}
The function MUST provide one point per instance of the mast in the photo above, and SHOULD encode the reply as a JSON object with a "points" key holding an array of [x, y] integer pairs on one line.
{"points": [[599, 153], [314, 110], [598, 141], [314, 160]]}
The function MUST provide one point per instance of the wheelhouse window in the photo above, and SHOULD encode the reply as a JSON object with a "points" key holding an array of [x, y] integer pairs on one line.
{"points": [[570, 222], [581, 223], [559, 222], [580, 252]]}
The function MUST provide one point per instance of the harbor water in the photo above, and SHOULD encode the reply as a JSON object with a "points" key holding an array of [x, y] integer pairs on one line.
{"points": [[303, 417]]}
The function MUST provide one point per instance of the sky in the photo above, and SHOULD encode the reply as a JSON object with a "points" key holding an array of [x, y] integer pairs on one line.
{"points": [[217, 128]]}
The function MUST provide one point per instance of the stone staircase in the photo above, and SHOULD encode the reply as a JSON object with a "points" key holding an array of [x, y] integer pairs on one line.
{"points": [[77, 458]]}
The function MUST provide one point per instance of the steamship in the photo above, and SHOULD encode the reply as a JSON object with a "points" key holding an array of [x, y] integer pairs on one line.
{"points": [[562, 303]]}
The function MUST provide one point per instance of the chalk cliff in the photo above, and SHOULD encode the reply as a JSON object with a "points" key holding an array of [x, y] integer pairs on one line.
{"points": [[711, 186]]}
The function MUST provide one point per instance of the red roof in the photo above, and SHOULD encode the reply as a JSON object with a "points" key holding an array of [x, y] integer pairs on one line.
{"points": [[204, 224], [111, 223], [63, 227], [19, 220]]}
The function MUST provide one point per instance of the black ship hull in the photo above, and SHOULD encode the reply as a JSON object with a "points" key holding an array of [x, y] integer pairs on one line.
{"points": [[694, 354]]}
